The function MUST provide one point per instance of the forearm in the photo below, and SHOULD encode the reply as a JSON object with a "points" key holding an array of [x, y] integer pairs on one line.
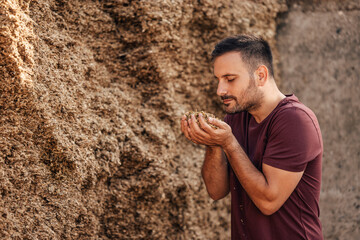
{"points": [[252, 180], [215, 173]]}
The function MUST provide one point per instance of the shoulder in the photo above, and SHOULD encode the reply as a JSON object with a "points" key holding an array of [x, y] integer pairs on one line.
{"points": [[296, 119], [294, 138], [296, 112], [292, 107]]}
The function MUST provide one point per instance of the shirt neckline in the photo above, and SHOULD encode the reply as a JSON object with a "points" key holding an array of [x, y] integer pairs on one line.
{"points": [[287, 98]]}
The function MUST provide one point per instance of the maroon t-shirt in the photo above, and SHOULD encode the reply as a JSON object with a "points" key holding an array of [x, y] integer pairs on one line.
{"points": [[289, 139]]}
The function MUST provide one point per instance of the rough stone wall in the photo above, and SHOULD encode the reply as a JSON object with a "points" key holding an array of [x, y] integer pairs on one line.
{"points": [[319, 47], [91, 94]]}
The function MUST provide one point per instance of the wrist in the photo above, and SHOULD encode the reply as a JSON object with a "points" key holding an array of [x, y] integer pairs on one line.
{"points": [[230, 145], [213, 148]]}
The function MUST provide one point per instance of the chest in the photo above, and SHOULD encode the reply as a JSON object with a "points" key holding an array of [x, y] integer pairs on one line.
{"points": [[253, 138]]}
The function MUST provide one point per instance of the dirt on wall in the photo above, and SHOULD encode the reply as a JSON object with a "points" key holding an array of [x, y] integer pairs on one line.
{"points": [[91, 94]]}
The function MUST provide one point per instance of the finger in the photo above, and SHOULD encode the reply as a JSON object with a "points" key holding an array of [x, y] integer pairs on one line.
{"points": [[183, 118], [185, 128], [196, 134], [218, 123], [196, 142], [204, 125], [191, 129], [193, 137], [194, 125]]}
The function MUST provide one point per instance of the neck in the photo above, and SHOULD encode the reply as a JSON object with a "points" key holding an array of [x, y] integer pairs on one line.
{"points": [[268, 103]]}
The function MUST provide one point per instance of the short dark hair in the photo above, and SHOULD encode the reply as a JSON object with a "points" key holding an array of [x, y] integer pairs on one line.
{"points": [[253, 50]]}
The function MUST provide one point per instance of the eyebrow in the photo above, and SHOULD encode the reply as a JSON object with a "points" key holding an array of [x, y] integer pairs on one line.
{"points": [[227, 75]]}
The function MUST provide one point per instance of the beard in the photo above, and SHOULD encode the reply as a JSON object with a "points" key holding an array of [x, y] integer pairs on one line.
{"points": [[251, 99]]}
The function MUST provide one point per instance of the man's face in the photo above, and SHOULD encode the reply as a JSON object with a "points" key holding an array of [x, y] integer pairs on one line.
{"points": [[236, 87]]}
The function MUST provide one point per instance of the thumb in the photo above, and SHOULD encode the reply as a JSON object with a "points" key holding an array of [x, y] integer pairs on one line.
{"points": [[216, 122]]}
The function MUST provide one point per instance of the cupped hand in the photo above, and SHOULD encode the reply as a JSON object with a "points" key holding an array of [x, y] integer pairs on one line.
{"points": [[203, 133]]}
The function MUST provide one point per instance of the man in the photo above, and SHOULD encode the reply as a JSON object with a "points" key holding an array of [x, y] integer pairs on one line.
{"points": [[267, 152]]}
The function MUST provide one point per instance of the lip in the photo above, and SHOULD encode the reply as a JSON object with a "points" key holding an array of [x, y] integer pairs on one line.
{"points": [[226, 101]]}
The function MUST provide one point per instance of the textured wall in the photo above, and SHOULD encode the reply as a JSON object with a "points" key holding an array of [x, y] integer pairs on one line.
{"points": [[91, 94], [319, 48]]}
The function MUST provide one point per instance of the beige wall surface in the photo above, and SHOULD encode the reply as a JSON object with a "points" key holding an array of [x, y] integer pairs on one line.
{"points": [[91, 95], [319, 51]]}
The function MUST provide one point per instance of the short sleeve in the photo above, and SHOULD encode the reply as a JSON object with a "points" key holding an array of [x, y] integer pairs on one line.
{"points": [[293, 140]]}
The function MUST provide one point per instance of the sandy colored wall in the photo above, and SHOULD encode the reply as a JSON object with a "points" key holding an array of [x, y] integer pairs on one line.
{"points": [[91, 94], [91, 97]]}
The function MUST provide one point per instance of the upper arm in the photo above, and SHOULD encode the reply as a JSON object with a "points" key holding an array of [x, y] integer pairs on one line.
{"points": [[293, 142], [281, 184]]}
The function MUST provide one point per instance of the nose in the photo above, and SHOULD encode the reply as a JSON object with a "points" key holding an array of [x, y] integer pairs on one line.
{"points": [[221, 89]]}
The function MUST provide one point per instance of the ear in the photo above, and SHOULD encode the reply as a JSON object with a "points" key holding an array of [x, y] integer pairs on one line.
{"points": [[261, 75]]}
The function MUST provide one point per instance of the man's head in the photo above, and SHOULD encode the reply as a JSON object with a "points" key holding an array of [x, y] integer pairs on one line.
{"points": [[243, 66], [254, 51]]}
